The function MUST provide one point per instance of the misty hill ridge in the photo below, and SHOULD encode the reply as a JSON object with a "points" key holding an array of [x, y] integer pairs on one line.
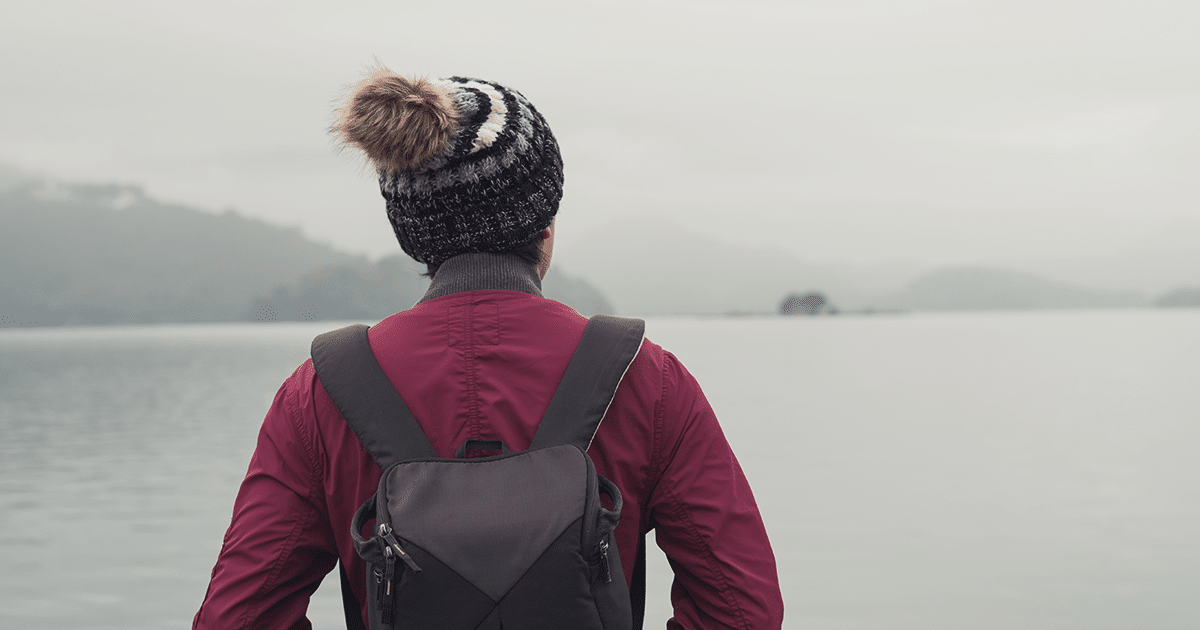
{"points": [[1156, 263], [108, 254], [981, 288], [659, 267], [104, 254]]}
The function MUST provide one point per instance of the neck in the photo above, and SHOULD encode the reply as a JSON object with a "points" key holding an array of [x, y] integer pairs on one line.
{"points": [[484, 271]]}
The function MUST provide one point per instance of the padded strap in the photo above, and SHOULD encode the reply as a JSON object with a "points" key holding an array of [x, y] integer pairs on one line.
{"points": [[608, 347], [350, 374]]}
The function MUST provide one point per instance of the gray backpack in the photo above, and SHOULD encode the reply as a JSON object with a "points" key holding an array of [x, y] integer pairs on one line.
{"points": [[516, 540]]}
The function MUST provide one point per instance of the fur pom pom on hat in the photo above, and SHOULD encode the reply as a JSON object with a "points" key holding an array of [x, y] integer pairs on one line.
{"points": [[465, 165]]}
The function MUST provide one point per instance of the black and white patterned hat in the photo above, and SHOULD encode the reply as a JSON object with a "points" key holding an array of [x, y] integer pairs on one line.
{"points": [[490, 182]]}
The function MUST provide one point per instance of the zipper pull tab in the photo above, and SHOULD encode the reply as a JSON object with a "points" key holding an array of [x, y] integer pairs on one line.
{"points": [[385, 531], [379, 587], [387, 602], [604, 561]]}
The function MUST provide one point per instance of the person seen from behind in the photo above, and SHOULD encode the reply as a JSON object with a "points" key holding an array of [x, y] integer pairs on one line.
{"points": [[472, 179]]}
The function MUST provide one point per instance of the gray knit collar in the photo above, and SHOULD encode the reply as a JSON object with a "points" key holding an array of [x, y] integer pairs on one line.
{"points": [[483, 271]]}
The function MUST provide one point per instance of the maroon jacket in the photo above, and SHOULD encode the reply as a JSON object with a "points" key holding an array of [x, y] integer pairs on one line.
{"points": [[479, 358]]}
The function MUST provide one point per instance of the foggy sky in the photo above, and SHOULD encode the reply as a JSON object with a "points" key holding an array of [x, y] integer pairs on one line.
{"points": [[932, 131]]}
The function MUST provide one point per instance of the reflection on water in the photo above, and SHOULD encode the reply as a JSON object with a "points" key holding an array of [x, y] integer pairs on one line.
{"points": [[1034, 470]]}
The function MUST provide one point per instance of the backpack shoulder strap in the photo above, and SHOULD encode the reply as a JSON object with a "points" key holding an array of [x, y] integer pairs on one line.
{"points": [[351, 375], [608, 347]]}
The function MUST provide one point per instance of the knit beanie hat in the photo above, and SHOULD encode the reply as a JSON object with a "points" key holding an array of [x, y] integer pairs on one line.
{"points": [[465, 165]]}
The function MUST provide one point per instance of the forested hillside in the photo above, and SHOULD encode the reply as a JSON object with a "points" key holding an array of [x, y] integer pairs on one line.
{"points": [[80, 254], [87, 254]]}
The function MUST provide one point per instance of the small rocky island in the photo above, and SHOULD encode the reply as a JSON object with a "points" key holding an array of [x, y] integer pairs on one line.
{"points": [[812, 303]]}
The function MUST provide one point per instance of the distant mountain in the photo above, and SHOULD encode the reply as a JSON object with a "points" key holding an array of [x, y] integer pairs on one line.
{"points": [[354, 290], [1183, 297], [657, 267], [1155, 263], [108, 254], [576, 292], [104, 254], [977, 288]]}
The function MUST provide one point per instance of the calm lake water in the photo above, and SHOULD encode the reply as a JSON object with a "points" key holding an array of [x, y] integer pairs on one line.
{"points": [[953, 471]]}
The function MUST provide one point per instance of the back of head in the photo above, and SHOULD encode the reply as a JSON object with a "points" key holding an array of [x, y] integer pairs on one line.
{"points": [[465, 165]]}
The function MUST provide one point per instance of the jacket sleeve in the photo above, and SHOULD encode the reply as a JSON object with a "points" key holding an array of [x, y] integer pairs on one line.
{"points": [[278, 546], [706, 521]]}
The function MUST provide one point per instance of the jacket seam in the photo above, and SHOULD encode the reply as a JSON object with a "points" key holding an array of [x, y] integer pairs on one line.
{"points": [[472, 375], [315, 471], [289, 546], [208, 591], [499, 339], [301, 521], [698, 541], [660, 413]]}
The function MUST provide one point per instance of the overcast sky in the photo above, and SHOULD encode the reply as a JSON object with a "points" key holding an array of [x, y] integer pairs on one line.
{"points": [[933, 131]]}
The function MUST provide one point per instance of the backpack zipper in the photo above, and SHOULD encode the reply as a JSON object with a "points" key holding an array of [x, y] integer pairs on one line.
{"points": [[388, 588], [605, 571], [379, 587], [387, 603], [385, 531]]}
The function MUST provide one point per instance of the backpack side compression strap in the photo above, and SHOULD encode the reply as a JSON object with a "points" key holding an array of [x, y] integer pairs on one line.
{"points": [[351, 375], [608, 347]]}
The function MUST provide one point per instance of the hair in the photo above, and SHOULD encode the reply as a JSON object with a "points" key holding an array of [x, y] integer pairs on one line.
{"points": [[531, 252], [398, 123]]}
